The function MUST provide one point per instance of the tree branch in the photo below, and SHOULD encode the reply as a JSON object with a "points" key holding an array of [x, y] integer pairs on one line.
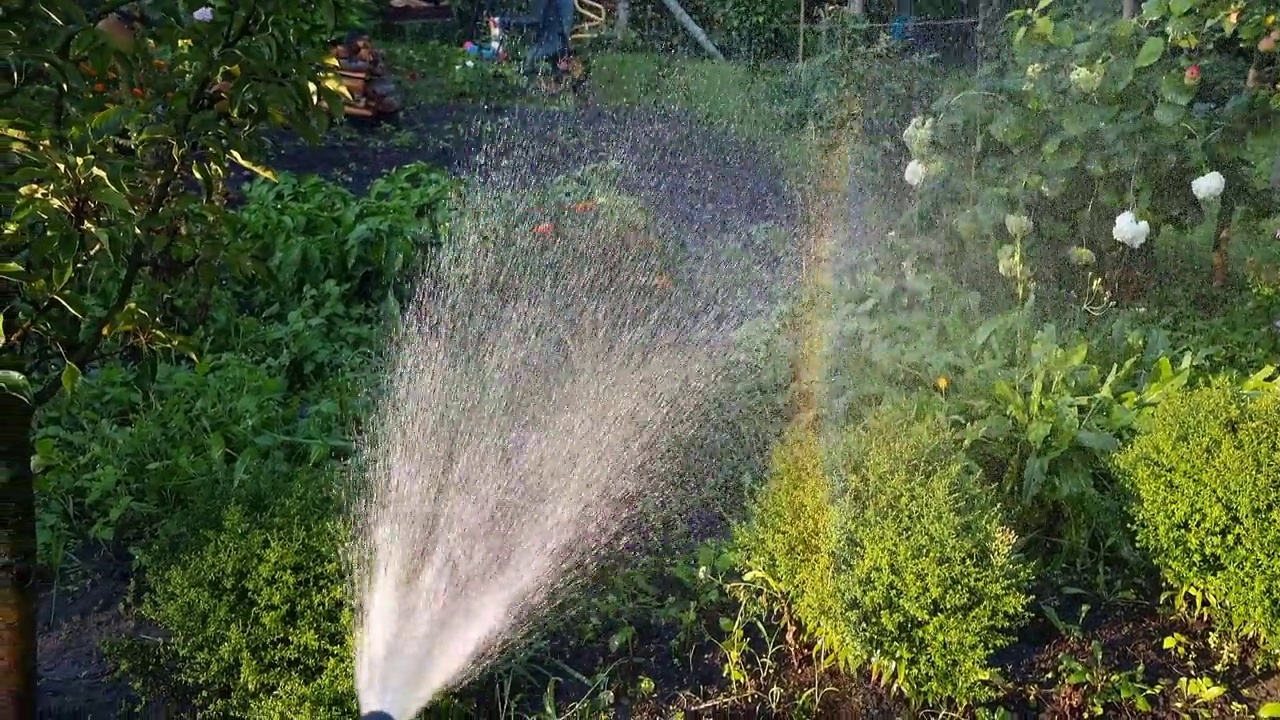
{"points": [[137, 256]]}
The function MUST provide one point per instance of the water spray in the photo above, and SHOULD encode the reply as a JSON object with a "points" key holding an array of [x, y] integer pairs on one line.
{"points": [[536, 386]]}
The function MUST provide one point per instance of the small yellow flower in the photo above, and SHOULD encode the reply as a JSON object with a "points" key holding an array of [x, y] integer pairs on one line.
{"points": [[942, 383]]}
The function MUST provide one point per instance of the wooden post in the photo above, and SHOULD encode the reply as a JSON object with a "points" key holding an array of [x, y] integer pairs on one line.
{"points": [[800, 50], [623, 20]]}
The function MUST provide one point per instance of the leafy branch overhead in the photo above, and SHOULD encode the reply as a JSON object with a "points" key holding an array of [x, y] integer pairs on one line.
{"points": [[122, 136], [1164, 126]]}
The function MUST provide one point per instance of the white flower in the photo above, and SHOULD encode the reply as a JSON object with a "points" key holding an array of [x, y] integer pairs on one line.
{"points": [[1129, 230], [1018, 226], [915, 173], [1086, 79], [1208, 186], [204, 14], [471, 63]]}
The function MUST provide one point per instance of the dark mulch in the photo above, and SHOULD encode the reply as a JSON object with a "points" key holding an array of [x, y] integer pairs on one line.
{"points": [[76, 681]]}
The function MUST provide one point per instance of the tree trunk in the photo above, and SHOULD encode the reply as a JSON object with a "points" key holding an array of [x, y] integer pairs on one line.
{"points": [[692, 27], [1129, 9], [858, 7], [17, 562]]}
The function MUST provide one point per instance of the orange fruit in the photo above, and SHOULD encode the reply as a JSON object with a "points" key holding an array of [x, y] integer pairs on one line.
{"points": [[160, 64], [99, 87]]}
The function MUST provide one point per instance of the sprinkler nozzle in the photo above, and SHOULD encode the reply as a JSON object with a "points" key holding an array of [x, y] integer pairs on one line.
{"points": [[376, 715]]}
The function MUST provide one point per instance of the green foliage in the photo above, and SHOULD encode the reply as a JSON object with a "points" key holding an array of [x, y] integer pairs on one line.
{"points": [[311, 231], [108, 134], [285, 354], [791, 539], [1206, 475], [440, 72], [1045, 429], [258, 616], [1043, 406], [896, 559], [929, 581], [126, 459], [1092, 119]]}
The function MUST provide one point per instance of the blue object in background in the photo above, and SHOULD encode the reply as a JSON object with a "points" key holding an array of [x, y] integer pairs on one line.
{"points": [[900, 28]]}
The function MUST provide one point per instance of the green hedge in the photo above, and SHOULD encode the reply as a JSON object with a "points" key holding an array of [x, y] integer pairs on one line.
{"points": [[258, 617], [1206, 475], [895, 557]]}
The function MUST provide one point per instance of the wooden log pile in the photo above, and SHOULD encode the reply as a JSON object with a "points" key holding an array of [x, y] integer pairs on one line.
{"points": [[364, 72]]}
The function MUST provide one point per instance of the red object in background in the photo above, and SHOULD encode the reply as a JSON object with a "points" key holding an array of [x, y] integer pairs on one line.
{"points": [[544, 228]]}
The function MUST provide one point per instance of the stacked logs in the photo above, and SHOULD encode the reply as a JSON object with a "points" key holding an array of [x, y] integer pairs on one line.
{"points": [[363, 71]]}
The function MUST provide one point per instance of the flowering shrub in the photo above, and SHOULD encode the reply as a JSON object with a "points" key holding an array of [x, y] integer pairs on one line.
{"points": [[1150, 126]]}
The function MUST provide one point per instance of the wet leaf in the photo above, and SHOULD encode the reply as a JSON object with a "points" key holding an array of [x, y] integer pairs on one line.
{"points": [[1150, 53], [15, 383]]}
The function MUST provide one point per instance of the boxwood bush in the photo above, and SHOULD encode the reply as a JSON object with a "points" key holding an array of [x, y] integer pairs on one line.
{"points": [[1206, 477], [894, 554], [257, 616]]}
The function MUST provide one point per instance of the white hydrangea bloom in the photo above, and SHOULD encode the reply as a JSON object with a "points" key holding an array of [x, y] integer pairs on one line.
{"points": [[1130, 231], [1208, 186], [915, 173]]}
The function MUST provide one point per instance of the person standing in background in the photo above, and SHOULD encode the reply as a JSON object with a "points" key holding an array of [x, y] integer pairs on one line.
{"points": [[555, 25]]}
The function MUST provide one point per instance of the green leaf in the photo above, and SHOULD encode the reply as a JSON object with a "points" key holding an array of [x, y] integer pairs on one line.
{"points": [[1270, 710], [108, 195], [1179, 7], [1174, 90], [70, 377], [1100, 441], [1151, 51], [1154, 9], [1168, 114], [15, 383], [110, 121], [1262, 380]]}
